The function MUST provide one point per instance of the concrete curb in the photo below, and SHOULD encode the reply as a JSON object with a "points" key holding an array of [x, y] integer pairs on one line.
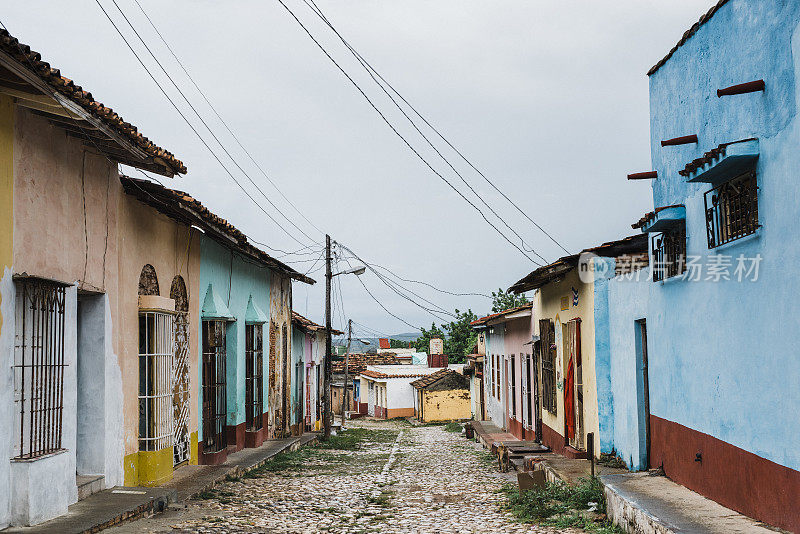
{"points": [[629, 515]]}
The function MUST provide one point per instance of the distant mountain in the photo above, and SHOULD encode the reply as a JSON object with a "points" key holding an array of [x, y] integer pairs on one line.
{"points": [[356, 346]]}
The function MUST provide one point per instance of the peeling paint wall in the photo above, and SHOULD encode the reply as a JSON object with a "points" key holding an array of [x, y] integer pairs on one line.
{"points": [[6, 300]]}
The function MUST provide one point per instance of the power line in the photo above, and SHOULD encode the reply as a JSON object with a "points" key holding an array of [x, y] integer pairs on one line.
{"points": [[396, 132], [138, 35], [369, 67], [381, 304], [427, 284], [163, 91], [225, 124]]}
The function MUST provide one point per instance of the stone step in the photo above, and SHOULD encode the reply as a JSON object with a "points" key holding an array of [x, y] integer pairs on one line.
{"points": [[89, 485]]}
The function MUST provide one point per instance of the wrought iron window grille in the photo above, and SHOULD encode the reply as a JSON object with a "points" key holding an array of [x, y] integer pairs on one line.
{"points": [[254, 377], [214, 391], [732, 210], [669, 253], [156, 380], [38, 367], [548, 359]]}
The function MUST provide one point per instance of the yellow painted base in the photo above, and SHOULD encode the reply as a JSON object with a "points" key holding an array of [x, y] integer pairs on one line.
{"points": [[148, 468], [193, 453]]}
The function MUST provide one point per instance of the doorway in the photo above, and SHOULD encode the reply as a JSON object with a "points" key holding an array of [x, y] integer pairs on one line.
{"points": [[90, 445], [643, 393], [573, 386]]}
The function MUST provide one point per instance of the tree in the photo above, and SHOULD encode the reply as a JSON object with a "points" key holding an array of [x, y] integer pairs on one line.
{"points": [[503, 300], [458, 336], [398, 344]]}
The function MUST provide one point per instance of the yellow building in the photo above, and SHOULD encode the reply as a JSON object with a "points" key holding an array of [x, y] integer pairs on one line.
{"points": [[442, 396]]}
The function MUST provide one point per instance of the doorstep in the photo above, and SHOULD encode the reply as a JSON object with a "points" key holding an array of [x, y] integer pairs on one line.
{"points": [[643, 503]]}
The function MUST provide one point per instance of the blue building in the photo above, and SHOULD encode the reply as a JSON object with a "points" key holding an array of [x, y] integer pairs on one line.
{"points": [[723, 325]]}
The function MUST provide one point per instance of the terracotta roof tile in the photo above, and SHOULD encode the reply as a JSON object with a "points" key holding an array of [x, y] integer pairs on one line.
{"points": [[652, 215], [688, 35], [426, 381], [32, 62], [359, 362], [484, 320], [709, 157], [180, 206]]}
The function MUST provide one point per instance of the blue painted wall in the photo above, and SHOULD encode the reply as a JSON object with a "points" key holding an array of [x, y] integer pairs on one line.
{"points": [[619, 303], [723, 356], [235, 280]]}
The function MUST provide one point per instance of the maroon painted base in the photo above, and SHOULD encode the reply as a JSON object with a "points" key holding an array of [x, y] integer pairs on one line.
{"points": [[380, 412], [733, 477], [363, 408], [553, 439], [211, 458], [234, 435], [254, 438]]}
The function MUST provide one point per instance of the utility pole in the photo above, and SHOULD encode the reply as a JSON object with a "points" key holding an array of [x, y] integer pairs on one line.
{"points": [[346, 398], [326, 381]]}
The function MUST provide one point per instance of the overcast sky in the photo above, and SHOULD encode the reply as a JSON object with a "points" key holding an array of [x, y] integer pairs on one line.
{"points": [[549, 98]]}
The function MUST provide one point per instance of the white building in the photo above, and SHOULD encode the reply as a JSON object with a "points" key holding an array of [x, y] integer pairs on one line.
{"points": [[385, 391]]}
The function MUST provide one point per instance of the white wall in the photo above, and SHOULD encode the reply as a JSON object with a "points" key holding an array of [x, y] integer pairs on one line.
{"points": [[43, 488]]}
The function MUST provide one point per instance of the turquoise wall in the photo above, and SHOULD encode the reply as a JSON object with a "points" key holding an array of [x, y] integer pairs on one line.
{"points": [[234, 279]]}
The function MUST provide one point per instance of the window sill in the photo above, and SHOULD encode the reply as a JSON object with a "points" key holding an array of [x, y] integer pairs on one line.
{"points": [[746, 239], [37, 458]]}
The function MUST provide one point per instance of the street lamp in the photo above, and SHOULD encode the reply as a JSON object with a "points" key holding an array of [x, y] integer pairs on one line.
{"points": [[326, 386]]}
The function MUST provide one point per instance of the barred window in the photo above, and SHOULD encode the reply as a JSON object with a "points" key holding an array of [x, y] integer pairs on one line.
{"points": [[214, 392], [513, 387], [156, 355], [38, 367], [669, 253], [547, 346], [732, 210], [254, 376]]}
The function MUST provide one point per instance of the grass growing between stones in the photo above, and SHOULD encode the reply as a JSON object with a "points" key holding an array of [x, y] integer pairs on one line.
{"points": [[452, 426], [562, 505], [344, 453]]}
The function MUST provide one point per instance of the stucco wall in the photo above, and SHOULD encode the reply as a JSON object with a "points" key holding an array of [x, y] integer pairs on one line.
{"points": [[445, 405], [619, 303], [495, 345], [172, 249], [6, 300], [518, 333], [724, 354], [550, 305], [235, 280]]}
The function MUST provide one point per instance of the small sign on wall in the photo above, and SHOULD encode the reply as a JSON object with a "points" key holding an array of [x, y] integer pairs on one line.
{"points": [[437, 345], [564, 303]]}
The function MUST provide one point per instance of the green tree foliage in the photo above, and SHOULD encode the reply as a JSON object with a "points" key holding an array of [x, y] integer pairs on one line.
{"points": [[398, 343], [503, 300], [458, 336]]}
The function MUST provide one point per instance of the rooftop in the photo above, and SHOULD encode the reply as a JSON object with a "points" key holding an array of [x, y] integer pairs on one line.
{"points": [[310, 326], [181, 207], [635, 244], [688, 35], [498, 315], [41, 88], [432, 378]]}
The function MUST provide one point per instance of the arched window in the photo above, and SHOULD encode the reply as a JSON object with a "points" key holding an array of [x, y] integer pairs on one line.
{"points": [[156, 354], [148, 281]]}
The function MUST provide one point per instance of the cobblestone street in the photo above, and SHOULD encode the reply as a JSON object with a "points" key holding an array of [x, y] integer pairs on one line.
{"points": [[390, 477]]}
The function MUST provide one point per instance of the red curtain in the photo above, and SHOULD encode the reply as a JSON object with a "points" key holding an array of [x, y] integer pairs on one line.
{"points": [[569, 401]]}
